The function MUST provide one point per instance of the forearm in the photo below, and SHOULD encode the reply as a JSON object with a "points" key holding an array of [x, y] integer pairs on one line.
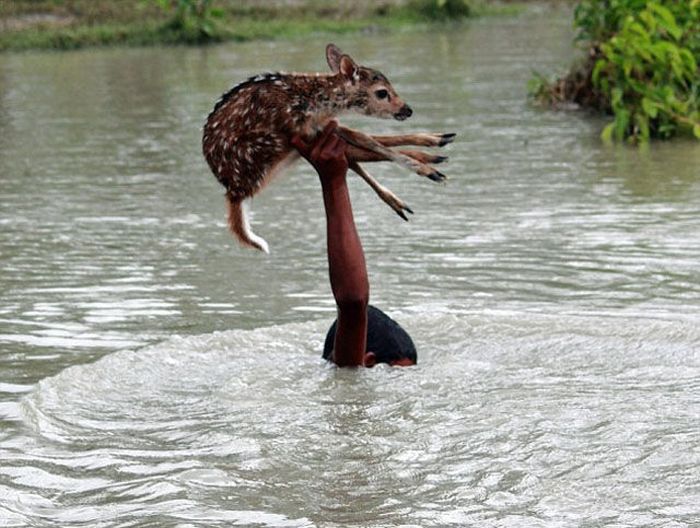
{"points": [[346, 260]]}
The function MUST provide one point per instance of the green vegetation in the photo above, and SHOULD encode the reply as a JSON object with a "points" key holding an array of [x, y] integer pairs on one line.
{"points": [[68, 24], [194, 20], [440, 9], [641, 67]]}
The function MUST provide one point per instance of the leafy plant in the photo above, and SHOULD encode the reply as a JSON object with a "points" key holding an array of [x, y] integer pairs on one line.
{"points": [[441, 9], [642, 67], [195, 20]]}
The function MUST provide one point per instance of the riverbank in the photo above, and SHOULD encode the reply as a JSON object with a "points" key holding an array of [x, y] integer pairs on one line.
{"points": [[44, 24]]}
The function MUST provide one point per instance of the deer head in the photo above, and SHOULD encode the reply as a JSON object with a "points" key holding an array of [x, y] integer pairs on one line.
{"points": [[369, 91]]}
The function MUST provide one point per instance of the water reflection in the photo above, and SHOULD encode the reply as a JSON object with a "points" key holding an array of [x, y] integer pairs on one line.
{"points": [[644, 173]]}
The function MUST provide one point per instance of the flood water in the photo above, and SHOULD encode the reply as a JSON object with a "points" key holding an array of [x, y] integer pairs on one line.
{"points": [[152, 373]]}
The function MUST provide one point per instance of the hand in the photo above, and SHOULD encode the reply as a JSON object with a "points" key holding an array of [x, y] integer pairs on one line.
{"points": [[326, 153]]}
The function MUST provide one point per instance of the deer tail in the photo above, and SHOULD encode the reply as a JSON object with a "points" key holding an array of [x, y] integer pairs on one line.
{"points": [[240, 227]]}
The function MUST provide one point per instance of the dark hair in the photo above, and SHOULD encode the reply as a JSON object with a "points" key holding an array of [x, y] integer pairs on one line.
{"points": [[385, 338]]}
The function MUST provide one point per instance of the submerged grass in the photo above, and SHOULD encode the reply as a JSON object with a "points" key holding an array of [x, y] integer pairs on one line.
{"points": [[70, 24]]}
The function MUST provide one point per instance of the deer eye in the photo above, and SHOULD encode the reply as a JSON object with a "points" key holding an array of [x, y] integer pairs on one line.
{"points": [[381, 94]]}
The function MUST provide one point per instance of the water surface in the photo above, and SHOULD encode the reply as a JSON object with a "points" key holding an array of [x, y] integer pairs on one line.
{"points": [[152, 373]]}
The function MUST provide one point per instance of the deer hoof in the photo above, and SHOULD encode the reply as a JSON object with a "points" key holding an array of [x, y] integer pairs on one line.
{"points": [[437, 176], [399, 207], [446, 139], [402, 214]]}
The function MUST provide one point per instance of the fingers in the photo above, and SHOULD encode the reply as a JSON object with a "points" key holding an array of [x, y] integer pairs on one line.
{"points": [[326, 144], [299, 144], [339, 146], [306, 149], [326, 137], [330, 127], [329, 144]]}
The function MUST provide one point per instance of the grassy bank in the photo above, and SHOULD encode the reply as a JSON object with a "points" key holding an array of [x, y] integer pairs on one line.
{"points": [[70, 24]]}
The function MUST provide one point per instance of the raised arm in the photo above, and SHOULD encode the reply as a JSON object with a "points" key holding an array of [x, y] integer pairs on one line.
{"points": [[346, 260]]}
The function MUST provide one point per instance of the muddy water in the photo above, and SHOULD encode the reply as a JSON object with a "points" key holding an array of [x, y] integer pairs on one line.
{"points": [[154, 374]]}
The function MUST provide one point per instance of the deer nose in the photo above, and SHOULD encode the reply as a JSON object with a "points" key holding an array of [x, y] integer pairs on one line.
{"points": [[404, 113]]}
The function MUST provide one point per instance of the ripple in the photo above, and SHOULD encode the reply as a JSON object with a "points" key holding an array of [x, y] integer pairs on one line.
{"points": [[507, 411]]}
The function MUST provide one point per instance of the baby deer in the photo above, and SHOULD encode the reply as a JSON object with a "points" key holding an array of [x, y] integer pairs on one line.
{"points": [[247, 135]]}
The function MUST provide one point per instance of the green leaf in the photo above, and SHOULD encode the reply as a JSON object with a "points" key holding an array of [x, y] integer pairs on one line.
{"points": [[616, 96], [648, 19], [606, 134], [696, 130], [595, 75], [622, 121], [650, 108], [642, 126], [638, 29], [666, 19], [627, 67], [689, 61]]}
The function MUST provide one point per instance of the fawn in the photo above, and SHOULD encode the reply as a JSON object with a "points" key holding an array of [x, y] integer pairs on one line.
{"points": [[246, 138]]}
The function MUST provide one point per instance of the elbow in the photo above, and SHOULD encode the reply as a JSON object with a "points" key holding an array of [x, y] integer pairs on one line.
{"points": [[354, 303]]}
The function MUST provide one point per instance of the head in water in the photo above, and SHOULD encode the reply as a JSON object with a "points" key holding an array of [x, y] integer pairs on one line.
{"points": [[387, 342]]}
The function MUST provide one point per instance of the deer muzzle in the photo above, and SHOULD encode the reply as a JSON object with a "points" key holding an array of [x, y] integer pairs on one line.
{"points": [[404, 113]]}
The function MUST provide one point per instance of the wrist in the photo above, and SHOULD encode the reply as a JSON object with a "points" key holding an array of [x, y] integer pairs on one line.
{"points": [[334, 176]]}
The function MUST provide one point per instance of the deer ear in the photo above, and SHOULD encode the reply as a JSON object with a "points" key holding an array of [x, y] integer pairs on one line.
{"points": [[333, 55], [348, 67]]}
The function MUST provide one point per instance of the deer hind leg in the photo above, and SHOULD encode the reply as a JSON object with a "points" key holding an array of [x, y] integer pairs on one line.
{"points": [[366, 142], [385, 194]]}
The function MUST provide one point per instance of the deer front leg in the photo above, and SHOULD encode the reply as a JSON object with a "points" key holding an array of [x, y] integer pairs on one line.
{"points": [[423, 157], [359, 139], [361, 154], [420, 140], [385, 194]]}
